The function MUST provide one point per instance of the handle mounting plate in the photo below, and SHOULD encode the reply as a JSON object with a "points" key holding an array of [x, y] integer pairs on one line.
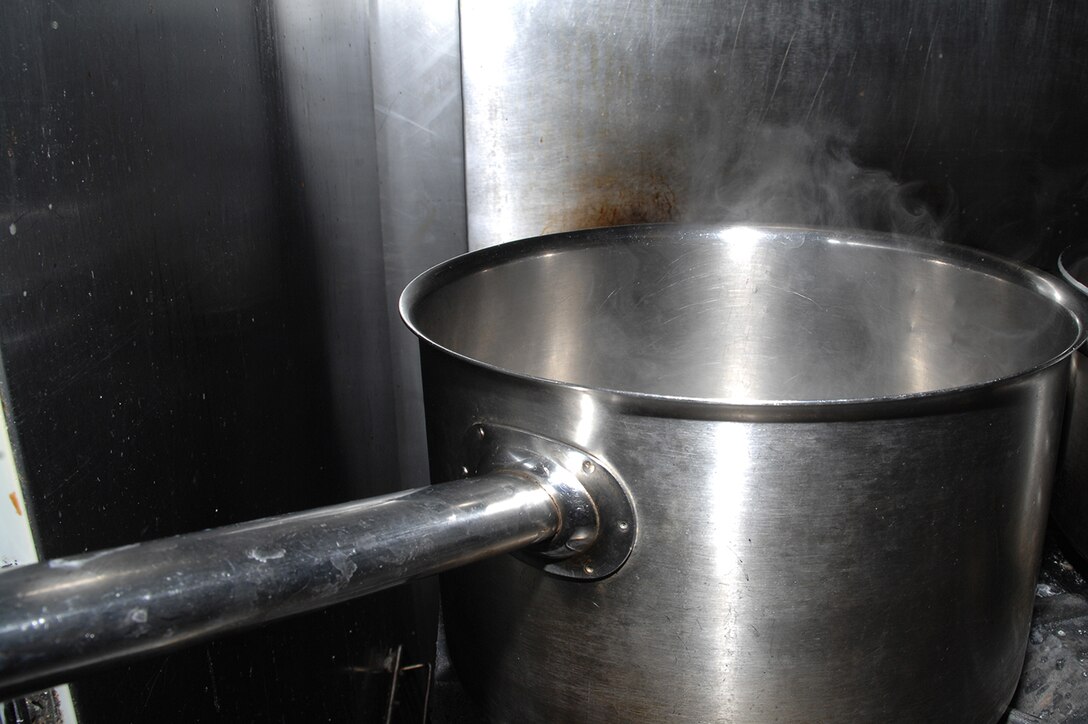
{"points": [[598, 530]]}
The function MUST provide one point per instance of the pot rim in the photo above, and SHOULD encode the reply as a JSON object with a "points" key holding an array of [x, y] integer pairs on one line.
{"points": [[1047, 286], [1066, 259]]}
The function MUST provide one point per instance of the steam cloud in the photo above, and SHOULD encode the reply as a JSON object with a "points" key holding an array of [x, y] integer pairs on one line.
{"points": [[790, 176]]}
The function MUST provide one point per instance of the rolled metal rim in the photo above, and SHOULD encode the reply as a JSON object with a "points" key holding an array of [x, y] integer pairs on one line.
{"points": [[665, 405], [1070, 258]]}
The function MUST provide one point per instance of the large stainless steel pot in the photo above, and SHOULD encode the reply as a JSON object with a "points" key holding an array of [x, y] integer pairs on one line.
{"points": [[755, 475], [839, 446], [1070, 509]]}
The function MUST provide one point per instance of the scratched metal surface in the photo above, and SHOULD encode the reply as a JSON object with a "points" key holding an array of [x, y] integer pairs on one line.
{"points": [[955, 119], [416, 65], [415, 47], [193, 314], [1051, 689]]}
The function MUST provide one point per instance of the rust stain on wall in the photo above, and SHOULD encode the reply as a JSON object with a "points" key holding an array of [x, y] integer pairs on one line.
{"points": [[619, 199], [15, 503]]}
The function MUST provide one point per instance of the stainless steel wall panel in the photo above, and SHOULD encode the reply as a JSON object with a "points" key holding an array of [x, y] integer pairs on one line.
{"points": [[416, 51], [324, 53], [953, 119], [193, 316]]}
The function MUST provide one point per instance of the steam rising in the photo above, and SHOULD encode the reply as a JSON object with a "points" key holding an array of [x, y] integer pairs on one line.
{"points": [[790, 176]]}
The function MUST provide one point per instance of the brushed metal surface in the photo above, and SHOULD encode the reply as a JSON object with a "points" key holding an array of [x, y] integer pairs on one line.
{"points": [[322, 55], [1070, 509], [797, 558], [193, 314], [955, 119], [416, 62]]}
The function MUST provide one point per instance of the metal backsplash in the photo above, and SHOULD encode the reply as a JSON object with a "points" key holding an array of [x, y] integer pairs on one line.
{"points": [[953, 119], [197, 269]]}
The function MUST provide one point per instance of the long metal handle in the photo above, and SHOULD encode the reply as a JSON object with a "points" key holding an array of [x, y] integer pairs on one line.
{"points": [[63, 616]]}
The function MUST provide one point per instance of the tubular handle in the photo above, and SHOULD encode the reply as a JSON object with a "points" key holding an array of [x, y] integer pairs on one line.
{"points": [[64, 616]]}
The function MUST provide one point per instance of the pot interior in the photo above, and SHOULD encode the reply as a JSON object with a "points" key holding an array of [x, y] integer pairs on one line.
{"points": [[742, 314]]}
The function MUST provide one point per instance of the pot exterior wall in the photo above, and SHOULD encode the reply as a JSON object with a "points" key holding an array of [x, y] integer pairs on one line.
{"points": [[1070, 508], [876, 569]]}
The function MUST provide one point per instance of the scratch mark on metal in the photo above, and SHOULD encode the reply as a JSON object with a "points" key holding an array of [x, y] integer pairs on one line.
{"points": [[778, 80], [605, 300], [820, 87], [211, 678], [740, 22], [393, 114], [799, 294], [154, 681], [922, 83]]}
